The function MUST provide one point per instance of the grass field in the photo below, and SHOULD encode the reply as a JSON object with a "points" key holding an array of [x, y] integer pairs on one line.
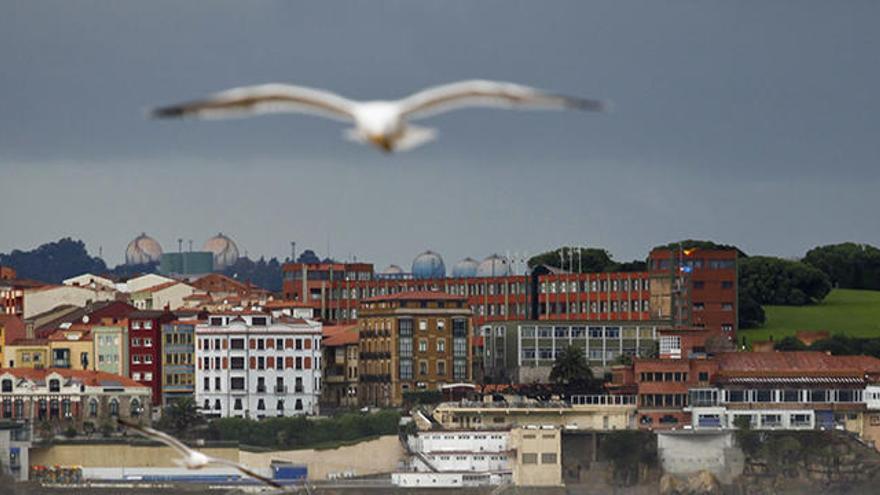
{"points": [[852, 312]]}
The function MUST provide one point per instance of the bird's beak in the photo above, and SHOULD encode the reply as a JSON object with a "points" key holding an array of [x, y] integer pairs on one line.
{"points": [[383, 143]]}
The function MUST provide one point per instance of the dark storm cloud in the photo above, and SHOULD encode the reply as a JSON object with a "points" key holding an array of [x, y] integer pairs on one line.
{"points": [[751, 122]]}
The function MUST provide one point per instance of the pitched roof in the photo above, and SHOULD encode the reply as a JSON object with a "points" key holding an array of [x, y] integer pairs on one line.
{"points": [[795, 363], [86, 377], [338, 335], [421, 295]]}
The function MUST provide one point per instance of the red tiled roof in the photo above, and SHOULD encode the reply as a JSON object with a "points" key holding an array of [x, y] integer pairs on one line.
{"points": [[338, 335], [422, 295], [802, 363], [13, 328], [87, 377]]}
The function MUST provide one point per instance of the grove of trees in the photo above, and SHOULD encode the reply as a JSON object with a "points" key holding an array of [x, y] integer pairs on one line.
{"points": [[848, 265]]}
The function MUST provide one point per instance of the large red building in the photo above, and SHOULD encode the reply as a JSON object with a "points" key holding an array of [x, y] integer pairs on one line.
{"points": [[695, 288]]}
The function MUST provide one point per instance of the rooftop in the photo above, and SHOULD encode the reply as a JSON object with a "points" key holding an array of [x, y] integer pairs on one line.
{"points": [[86, 377]]}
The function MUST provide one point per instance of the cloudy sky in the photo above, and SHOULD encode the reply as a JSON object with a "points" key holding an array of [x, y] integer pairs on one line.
{"points": [[754, 123]]}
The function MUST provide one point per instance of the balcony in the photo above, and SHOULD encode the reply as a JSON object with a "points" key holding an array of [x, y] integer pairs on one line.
{"points": [[60, 363]]}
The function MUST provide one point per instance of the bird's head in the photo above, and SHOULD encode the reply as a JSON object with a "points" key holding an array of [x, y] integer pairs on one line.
{"points": [[382, 142]]}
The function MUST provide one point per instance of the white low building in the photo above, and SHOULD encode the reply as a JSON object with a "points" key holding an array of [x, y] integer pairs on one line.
{"points": [[249, 364], [457, 458]]}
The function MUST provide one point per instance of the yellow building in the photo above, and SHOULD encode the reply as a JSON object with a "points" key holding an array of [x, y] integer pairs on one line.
{"points": [[27, 353], [72, 349]]}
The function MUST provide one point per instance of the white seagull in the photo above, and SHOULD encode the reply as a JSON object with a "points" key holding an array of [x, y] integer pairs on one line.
{"points": [[193, 459], [382, 123]]}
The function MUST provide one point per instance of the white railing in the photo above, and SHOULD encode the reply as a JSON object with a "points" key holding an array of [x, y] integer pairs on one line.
{"points": [[603, 400]]}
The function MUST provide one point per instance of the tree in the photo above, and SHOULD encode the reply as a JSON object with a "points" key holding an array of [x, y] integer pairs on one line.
{"points": [[571, 372], [701, 244], [751, 314], [265, 274], [768, 280], [180, 417], [848, 265], [54, 261], [585, 260], [789, 343]]}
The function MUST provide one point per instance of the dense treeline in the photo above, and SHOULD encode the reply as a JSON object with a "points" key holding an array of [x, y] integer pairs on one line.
{"points": [[848, 265], [300, 432], [584, 260], [54, 261], [782, 282], [838, 345]]}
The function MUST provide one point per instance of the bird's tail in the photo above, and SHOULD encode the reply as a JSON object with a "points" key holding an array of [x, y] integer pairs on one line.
{"points": [[415, 136]]}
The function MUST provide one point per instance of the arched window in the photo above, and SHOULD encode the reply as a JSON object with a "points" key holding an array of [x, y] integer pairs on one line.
{"points": [[134, 408], [65, 408], [93, 408], [114, 407]]}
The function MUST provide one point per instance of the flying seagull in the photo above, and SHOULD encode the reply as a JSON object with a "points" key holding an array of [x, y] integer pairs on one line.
{"points": [[193, 459], [381, 123]]}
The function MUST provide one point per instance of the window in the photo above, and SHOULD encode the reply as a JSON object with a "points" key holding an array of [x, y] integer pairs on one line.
{"points": [[441, 368], [236, 363], [237, 405], [7, 385], [236, 383], [423, 367], [206, 385], [148, 342], [726, 284], [423, 324], [114, 407], [548, 458], [258, 321], [237, 344], [703, 376], [726, 306], [93, 408], [441, 345], [529, 458], [423, 345]]}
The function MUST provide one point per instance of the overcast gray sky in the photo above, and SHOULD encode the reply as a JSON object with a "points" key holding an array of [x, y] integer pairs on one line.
{"points": [[753, 122]]}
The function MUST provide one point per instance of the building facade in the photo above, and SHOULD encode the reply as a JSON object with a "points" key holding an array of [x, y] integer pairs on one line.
{"points": [[249, 364], [70, 398], [412, 342], [525, 351], [111, 348], [178, 360], [340, 344], [145, 349]]}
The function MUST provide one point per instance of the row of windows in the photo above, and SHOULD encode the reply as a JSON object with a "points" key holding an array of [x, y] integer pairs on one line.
{"points": [[145, 342], [139, 324], [237, 405], [615, 285], [701, 306], [572, 332], [259, 362], [260, 344]]}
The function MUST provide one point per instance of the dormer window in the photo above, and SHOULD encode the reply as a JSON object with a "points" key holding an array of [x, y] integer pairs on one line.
{"points": [[6, 385], [54, 385]]}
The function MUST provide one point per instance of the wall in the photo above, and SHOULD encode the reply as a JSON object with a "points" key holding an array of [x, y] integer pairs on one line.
{"points": [[382, 455], [41, 300], [112, 455], [684, 453]]}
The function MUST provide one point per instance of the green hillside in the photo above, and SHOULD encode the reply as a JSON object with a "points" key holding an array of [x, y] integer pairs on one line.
{"points": [[852, 312]]}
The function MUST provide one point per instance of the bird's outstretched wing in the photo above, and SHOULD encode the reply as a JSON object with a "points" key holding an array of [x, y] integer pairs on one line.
{"points": [[158, 436], [489, 94], [246, 471], [265, 98]]}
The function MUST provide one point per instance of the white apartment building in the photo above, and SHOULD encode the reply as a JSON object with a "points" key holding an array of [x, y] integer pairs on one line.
{"points": [[249, 364]]}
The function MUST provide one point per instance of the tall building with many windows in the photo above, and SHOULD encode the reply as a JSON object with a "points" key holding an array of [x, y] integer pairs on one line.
{"points": [[411, 342], [250, 364], [178, 360]]}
